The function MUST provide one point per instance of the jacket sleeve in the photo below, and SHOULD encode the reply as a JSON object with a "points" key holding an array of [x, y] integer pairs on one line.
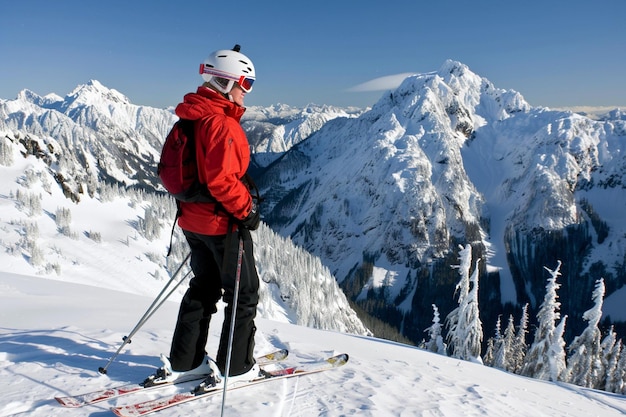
{"points": [[223, 157]]}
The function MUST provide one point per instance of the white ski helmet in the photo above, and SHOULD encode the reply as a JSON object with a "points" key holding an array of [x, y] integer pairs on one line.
{"points": [[223, 68]]}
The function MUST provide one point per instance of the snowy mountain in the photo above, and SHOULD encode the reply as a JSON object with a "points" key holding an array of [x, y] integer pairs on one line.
{"points": [[274, 130], [386, 199], [92, 134]]}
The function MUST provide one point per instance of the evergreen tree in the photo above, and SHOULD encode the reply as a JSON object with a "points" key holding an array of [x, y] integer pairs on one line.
{"points": [[544, 359], [150, 226], [435, 340], [37, 257], [519, 347], [472, 315], [462, 289], [63, 219], [505, 358], [611, 350], [6, 152], [619, 377], [303, 283], [492, 345], [465, 328], [557, 355], [489, 351], [585, 366]]}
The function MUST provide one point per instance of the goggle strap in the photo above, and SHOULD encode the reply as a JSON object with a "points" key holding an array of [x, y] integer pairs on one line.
{"points": [[244, 82]]}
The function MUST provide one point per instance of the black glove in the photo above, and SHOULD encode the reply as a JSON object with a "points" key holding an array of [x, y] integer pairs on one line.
{"points": [[252, 220]]}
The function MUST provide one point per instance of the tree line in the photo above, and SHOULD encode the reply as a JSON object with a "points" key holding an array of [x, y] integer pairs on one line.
{"points": [[593, 359]]}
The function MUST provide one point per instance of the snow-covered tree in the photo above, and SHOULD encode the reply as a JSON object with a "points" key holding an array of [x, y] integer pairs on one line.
{"points": [[303, 283], [37, 257], [556, 353], [585, 366], [618, 380], [150, 226], [435, 341], [611, 350], [489, 358], [6, 152], [546, 356], [465, 328], [29, 202], [519, 347], [504, 355], [462, 290], [63, 219]]}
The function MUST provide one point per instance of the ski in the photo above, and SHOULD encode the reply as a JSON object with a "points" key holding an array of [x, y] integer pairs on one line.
{"points": [[74, 401], [151, 406]]}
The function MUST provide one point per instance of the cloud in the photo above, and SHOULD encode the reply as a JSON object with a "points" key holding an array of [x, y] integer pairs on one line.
{"points": [[388, 82], [593, 112]]}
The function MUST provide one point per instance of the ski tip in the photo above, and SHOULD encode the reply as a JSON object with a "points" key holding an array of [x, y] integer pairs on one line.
{"points": [[339, 359], [120, 412], [278, 355], [67, 402]]}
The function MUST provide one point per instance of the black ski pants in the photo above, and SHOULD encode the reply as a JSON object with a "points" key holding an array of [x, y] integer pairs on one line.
{"points": [[214, 278]]}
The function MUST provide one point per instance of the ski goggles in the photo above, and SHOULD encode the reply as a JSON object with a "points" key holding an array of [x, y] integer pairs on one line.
{"points": [[244, 82]]}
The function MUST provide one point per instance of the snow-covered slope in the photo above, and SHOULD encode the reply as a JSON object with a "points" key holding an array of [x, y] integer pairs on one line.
{"points": [[54, 336], [118, 239]]}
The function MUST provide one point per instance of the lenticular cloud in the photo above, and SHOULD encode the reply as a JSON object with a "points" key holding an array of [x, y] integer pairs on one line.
{"points": [[388, 82]]}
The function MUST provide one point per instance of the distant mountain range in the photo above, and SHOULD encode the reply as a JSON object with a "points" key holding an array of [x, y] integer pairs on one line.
{"points": [[385, 196]]}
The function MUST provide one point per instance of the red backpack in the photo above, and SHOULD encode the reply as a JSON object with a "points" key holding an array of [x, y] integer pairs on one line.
{"points": [[178, 171], [177, 167]]}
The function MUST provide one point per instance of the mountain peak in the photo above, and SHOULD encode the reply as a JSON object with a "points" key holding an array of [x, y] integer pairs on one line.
{"points": [[28, 95], [454, 67], [46, 101], [93, 92]]}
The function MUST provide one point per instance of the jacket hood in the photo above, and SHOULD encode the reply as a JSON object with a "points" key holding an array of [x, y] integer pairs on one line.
{"points": [[205, 102]]}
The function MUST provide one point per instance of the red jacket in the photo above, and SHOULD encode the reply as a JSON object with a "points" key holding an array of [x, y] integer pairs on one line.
{"points": [[223, 156]]}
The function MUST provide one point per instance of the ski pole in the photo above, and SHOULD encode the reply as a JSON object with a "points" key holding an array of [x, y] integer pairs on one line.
{"points": [[156, 304], [231, 333]]}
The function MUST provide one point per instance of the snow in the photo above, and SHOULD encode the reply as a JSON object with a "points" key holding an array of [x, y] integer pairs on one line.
{"points": [[55, 335], [57, 330]]}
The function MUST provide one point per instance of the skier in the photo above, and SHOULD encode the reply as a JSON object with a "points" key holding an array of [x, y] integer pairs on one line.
{"points": [[211, 229]]}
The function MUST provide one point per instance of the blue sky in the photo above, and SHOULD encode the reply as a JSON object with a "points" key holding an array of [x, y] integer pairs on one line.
{"points": [[554, 52]]}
